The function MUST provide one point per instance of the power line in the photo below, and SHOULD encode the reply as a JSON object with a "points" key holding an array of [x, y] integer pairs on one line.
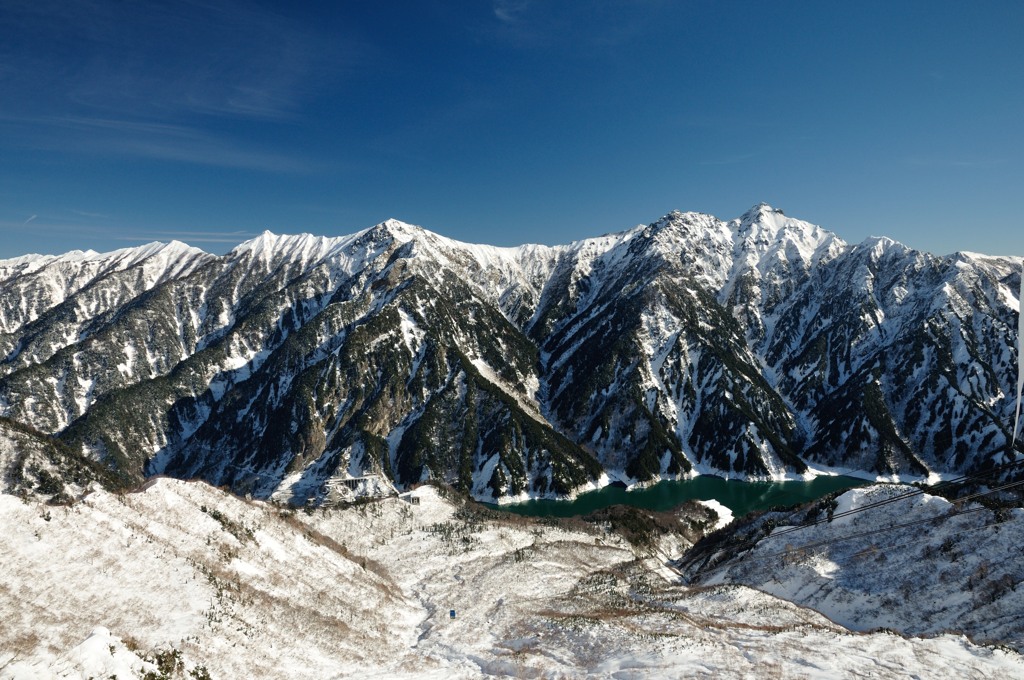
{"points": [[810, 546], [918, 492], [893, 499], [871, 532]]}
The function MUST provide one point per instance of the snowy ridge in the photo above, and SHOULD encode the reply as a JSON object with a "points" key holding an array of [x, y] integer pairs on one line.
{"points": [[304, 248], [25, 264], [47, 281]]}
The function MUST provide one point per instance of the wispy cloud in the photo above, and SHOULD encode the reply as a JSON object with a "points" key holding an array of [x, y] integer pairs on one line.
{"points": [[731, 160], [146, 238], [46, 228], [510, 11], [90, 215], [190, 237], [596, 25], [55, 235], [953, 162], [225, 58], [149, 80], [143, 139]]}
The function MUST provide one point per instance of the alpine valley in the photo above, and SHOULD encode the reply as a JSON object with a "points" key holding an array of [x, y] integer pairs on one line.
{"points": [[760, 347]]}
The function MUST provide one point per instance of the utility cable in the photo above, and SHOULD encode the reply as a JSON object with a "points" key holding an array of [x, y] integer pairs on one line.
{"points": [[870, 532], [886, 501], [748, 559], [893, 499]]}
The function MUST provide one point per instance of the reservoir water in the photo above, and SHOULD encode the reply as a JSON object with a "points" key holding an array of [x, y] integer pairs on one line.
{"points": [[740, 497]]}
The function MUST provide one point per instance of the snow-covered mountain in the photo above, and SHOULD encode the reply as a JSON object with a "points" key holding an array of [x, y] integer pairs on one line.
{"points": [[761, 346]]}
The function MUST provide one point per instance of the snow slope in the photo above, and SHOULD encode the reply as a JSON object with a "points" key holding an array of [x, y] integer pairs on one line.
{"points": [[185, 575], [918, 564]]}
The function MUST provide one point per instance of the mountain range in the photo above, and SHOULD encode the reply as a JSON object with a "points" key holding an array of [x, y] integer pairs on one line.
{"points": [[758, 347]]}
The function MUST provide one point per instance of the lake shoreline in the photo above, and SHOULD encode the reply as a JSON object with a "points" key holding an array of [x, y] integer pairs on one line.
{"points": [[739, 496], [620, 479]]}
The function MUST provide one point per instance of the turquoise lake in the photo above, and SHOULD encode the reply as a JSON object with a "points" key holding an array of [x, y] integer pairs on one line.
{"points": [[740, 497]]}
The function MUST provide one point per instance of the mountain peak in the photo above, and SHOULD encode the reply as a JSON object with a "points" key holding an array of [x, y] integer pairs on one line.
{"points": [[170, 249], [759, 211], [402, 231], [765, 235], [680, 216], [762, 212], [288, 247], [881, 243]]}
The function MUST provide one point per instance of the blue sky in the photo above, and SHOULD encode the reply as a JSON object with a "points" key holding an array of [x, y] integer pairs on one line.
{"points": [[507, 121]]}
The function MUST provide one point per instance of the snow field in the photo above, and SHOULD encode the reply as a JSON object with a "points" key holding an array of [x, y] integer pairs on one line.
{"points": [[233, 594], [252, 590]]}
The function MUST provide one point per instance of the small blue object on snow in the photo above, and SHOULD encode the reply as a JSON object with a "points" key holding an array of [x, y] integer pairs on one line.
{"points": [[451, 613]]}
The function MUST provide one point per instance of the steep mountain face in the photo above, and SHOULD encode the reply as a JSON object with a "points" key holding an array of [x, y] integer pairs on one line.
{"points": [[757, 346], [35, 466], [903, 360]]}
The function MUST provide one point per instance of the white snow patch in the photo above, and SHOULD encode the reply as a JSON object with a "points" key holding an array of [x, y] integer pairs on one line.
{"points": [[725, 515]]}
